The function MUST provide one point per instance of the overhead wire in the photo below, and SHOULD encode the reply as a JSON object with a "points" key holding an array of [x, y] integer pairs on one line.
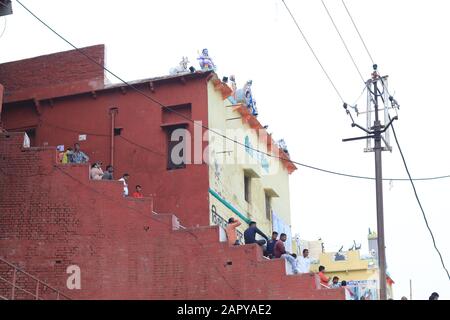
{"points": [[295, 162], [359, 33], [419, 202], [343, 41], [140, 212], [145, 94], [401, 152], [313, 52], [214, 131]]}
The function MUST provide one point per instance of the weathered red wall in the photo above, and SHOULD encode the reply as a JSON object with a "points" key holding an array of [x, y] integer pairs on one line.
{"points": [[53, 75], [53, 216]]}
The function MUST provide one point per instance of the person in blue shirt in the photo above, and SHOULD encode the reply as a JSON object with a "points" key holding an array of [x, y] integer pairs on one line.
{"points": [[77, 155], [271, 245], [250, 235]]}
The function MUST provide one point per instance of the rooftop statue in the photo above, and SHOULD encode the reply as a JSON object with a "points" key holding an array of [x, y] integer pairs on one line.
{"points": [[245, 95], [182, 68], [233, 86], [282, 145], [205, 61]]}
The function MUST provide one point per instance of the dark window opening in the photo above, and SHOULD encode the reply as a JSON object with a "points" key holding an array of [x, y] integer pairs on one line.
{"points": [[31, 133], [247, 182], [176, 145], [117, 131], [268, 207]]}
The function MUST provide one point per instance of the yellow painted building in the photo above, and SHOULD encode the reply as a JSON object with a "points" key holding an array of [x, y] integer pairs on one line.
{"points": [[244, 183], [361, 273]]}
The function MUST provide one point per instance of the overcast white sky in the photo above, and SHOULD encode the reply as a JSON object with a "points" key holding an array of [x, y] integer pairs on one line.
{"points": [[256, 39]]}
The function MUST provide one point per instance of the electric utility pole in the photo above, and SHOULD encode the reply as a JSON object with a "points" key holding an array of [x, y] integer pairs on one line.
{"points": [[376, 132]]}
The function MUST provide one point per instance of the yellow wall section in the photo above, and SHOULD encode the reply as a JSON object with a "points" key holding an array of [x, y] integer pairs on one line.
{"points": [[228, 179]]}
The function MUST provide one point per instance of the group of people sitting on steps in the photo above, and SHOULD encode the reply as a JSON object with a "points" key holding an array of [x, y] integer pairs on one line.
{"points": [[273, 248], [76, 156]]}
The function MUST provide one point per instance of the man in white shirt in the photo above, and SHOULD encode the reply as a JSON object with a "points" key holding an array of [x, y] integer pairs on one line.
{"points": [[26, 141], [124, 179], [303, 262]]}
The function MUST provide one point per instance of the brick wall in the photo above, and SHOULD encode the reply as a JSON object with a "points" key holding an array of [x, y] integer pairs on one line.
{"points": [[53, 75], [53, 216], [1, 104]]}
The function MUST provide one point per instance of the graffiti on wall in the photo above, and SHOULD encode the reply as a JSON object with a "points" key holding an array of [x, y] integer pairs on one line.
{"points": [[364, 288], [217, 219]]}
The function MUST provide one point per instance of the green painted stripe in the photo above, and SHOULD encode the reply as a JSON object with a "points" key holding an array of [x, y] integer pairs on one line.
{"points": [[229, 205]]}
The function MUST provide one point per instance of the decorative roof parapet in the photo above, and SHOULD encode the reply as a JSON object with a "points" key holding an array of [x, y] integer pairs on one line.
{"points": [[272, 147], [219, 85]]}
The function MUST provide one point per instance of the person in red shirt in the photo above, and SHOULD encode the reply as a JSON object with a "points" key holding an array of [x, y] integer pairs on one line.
{"points": [[323, 278], [138, 192], [279, 251]]}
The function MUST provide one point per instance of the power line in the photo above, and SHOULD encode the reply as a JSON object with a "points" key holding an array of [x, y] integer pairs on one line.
{"points": [[144, 94], [75, 131], [418, 201], [295, 162], [205, 127], [343, 41], [363, 42], [141, 146], [369, 178], [357, 30], [359, 97], [313, 52], [101, 135], [140, 212]]}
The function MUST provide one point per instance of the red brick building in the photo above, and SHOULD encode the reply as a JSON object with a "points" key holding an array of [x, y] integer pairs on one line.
{"points": [[53, 216], [56, 98]]}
